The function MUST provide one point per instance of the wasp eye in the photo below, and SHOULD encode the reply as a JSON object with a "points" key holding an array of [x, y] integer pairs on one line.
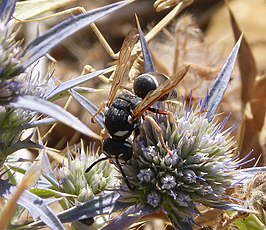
{"points": [[144, 84]]}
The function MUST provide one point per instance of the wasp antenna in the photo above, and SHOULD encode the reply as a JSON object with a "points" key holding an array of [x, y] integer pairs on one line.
{"points": [[95, 163], [131, 187]]}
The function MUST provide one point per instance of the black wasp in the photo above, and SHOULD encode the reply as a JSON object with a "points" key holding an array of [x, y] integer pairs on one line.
{"points": [[123, 112]]}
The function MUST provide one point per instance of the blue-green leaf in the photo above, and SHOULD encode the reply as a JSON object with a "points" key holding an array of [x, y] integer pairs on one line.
{"points": [[254, 170], [36, 206], [45, 42], [48, 108], [97, 206], [214, 96]]}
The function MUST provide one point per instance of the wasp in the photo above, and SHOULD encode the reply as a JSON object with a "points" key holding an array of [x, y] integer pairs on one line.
{"points": [[123, 113]]}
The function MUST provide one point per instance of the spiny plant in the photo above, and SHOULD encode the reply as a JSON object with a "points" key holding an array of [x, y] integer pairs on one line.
{"points": [[183, 157]]}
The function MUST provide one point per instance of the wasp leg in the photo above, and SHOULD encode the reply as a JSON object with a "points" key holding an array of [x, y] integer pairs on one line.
{"points": [[171, 117], [159, 130], [97, 32], [104, 43], [131, 187], [160, 5], [103, 134], [163, 112], [100, 109]]}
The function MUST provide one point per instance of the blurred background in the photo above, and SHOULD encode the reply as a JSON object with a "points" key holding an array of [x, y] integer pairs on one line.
{"points": [[204, 37], [201, 35]]}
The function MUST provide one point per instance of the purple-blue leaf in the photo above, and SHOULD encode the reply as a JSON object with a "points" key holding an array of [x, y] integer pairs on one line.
{"points": [[214, 96], [99, 205], [148, 62], [129, 217], [232, 206], [41, 122], [25, 144], [89, 106], [72, 83], [48, 108], [45, 42], [36, 206], [7, 9]]}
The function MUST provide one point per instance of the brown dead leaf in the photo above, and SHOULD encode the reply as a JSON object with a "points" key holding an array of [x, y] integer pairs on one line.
{"points": [[252, 98]]}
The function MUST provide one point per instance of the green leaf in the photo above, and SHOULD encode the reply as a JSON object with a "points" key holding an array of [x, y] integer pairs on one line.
{"points": [[249, 223], [25, 144], [48, 108], [46, 192]]}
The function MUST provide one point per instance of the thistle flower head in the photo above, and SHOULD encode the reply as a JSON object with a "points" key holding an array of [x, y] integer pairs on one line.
{"points": [[75, 181], [198, 170]]}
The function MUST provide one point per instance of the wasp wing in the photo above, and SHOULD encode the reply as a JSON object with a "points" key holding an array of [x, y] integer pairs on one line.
{"points": [[166, 87], [123, 63]]}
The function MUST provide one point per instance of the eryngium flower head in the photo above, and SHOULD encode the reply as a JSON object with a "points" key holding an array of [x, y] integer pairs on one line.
{"points": [[9, 90], [75, 181], [11, 120], [198, 170], [9, 50]]}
